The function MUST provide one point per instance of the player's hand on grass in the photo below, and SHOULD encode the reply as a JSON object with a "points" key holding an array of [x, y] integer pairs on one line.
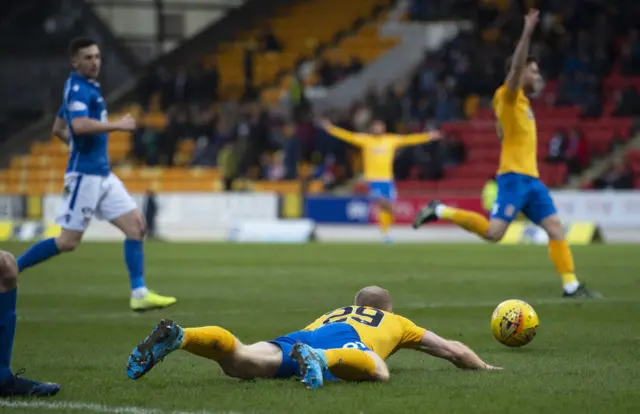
{"points": [[492, 368], [531, 20], [127, 123]]}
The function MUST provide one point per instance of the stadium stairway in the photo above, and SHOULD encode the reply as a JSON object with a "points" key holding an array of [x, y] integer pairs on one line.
{"points": [[628, 151], [395, 63]]}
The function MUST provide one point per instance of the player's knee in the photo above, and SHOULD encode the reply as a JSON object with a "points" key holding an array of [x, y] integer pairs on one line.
{"points": [[68, 242], [137, 228], [8, 271], [494, 235], [381, 371], [554, 228]]}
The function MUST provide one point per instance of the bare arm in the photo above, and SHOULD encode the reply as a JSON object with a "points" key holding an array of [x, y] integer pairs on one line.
{"points": [[455, 352], [59, 130], [519, 59], [88, 126]]}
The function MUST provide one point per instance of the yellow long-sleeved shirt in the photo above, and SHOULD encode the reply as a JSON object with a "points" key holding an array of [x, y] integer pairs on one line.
{"points": [[378, 151]]}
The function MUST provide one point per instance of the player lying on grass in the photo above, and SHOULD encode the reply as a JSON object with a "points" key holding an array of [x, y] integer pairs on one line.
{"points": [[519, 186], [350, 343], [12, 385]]}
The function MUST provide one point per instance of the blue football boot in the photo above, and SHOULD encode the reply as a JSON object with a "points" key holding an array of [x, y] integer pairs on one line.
{"points": [[165, 338], [22, 387], [312, 364]]}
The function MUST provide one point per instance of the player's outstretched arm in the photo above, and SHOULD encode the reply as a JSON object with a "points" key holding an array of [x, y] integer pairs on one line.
{"points": [[519, 58], [415, 139], [87, 126], [455, 352], [343, 134]]}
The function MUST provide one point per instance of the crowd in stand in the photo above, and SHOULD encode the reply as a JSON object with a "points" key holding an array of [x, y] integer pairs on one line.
{"points": [[578, 44]]}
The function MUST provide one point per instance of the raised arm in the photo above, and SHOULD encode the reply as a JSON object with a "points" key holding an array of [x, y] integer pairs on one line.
{"points": [[415, 139], [455, 352], [519, 58], [343, 134], [59, 128]]}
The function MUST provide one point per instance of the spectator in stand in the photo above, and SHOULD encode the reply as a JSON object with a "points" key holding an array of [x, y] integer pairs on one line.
{"points": [[179, 127], [630, 64], [180, 87], [210, 82], [273, 167], [248, 66], [144, 145], [617, 177], [592, 106], [291, 147], [453, 151], [205, 135], [355, 66], [558, 145], [628, 102], [268, 40], [327, 73], [153, 84], [445, 104], [577, 154], [429, 161]]}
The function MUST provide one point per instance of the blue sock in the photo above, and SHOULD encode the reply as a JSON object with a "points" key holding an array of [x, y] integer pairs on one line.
{"points": [[7, 330], [134, 256], [39, 252]]}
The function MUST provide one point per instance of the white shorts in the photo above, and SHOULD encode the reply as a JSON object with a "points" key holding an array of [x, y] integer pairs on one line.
{"points": [[85, 196]]}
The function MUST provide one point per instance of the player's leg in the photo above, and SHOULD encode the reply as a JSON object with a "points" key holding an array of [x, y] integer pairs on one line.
{"points": [[383, 195], [348, 364], [80, 196], [510, 198], [260, 360], [120, 209], [11, 385], [336, 349], [541, 210]]}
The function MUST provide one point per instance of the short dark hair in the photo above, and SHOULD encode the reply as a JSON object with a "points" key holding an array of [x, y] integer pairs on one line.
{"points": [[80, 43], [530, 59]]}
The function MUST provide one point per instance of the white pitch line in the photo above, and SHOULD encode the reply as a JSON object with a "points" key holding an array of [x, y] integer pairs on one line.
{"points": [[98, 408]]}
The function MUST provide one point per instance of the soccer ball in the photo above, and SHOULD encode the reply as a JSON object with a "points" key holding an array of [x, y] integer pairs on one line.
{"points": [[514, 323]]}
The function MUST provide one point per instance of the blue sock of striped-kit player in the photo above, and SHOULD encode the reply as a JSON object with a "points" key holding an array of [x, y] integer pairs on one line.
{"points": [[39, 252], [7, 330], [134, 257]]}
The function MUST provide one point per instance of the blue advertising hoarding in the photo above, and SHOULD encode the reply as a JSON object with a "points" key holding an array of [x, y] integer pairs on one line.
{"points": [[337, 210]]}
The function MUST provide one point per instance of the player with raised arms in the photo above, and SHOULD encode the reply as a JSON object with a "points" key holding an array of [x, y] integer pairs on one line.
{"points": [[350, 343], [12, 385], [378, 151], [90, 188], [519, 186]]}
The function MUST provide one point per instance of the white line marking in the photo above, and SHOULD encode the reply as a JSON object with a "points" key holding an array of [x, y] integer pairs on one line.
{"points": [[98, 408]]}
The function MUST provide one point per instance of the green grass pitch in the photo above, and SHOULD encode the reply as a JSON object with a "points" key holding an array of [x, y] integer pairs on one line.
{"points": [[75, 327]]}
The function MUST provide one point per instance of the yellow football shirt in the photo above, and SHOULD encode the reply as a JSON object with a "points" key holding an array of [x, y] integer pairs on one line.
{"points": [[516, 130], [378, 151], [382, 332]]}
